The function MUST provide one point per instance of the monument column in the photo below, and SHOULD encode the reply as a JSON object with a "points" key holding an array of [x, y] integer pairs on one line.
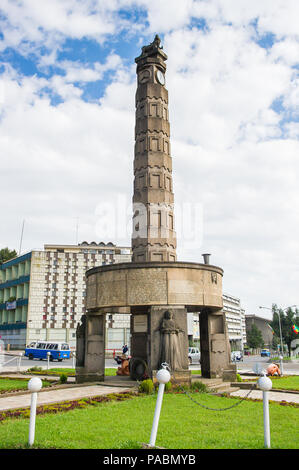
{"points": [[153, 237]]}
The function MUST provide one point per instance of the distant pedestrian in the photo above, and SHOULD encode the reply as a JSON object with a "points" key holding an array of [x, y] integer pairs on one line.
{"points": [[125, 349]]}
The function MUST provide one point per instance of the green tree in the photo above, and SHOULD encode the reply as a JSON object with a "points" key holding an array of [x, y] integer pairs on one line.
{"points": [[255, 338], [287, 319], [6, 254]]}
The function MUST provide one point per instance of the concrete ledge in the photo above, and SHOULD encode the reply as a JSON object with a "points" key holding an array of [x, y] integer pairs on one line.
{"points": [[248, 385], [49, 389]]}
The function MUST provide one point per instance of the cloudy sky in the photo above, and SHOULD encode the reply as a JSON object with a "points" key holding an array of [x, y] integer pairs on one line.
{"points": [[67, 114]]}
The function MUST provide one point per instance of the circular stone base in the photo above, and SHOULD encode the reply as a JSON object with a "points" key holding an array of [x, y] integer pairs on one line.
{"points": [[140, 285]]}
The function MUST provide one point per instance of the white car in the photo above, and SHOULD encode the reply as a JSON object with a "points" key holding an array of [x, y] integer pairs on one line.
{"points": [[236, 356], [194, 355]]}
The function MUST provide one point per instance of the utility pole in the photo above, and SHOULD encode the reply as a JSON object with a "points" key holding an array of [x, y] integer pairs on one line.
{"points": [[20, 248]]}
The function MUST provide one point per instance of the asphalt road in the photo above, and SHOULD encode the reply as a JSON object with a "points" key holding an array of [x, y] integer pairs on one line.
{"points": [[249, 361], [243, 366]]}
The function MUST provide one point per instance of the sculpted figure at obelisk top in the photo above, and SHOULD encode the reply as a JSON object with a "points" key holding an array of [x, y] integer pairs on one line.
{"points": [[153, 237]]}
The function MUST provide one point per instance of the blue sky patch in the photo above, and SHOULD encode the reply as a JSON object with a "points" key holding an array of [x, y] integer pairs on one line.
{"points": [[24, 65], [266, 41]]}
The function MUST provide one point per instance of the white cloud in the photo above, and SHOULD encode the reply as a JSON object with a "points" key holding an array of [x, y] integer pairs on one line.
{"points": [[292, 129], [78, 72], [223, 86]]}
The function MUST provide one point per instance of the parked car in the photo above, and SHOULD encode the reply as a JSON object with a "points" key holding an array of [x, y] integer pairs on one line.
{"points": [[193, 355], [265, 353], [236, 356]]}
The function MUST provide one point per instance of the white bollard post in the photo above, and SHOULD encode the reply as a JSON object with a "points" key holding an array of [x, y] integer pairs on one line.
{"points": [[48, 359], [281, 365], [74, 356], [163, 376], [265, 384], [19, 363], [34, 385]]}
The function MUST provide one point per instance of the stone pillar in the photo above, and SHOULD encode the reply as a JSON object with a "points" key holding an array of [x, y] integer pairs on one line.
{"points": [[214, 344], [90, 366]]}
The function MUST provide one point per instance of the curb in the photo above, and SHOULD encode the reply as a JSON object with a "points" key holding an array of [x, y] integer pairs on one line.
{"points": [[244, 386], [64, 386]]}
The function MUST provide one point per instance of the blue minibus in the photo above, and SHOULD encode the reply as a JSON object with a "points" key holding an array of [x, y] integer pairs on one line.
{"points": [[39, 350]]}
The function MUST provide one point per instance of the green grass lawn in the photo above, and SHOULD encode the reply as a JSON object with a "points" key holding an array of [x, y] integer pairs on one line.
{"points": [[290, 382], [183, 425], [68, 371], [286, 383], [9, 385]]}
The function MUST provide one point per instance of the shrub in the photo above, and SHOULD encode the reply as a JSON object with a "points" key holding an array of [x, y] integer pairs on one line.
{"points": [[198, 387], [168, 386], [146, 386], [239, 378], [35, 369], [63, 378]]}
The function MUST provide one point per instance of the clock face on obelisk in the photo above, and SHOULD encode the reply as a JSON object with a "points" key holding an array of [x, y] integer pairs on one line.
{"points": [[160, 77]]}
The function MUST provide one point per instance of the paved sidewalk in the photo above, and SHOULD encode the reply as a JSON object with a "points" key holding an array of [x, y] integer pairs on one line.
{"points": [[274, 396], [56, 396]]}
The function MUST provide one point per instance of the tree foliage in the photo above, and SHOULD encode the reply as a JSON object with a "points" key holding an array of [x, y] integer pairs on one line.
{"points": [[255, 337], [287, 319], [6, 254]]}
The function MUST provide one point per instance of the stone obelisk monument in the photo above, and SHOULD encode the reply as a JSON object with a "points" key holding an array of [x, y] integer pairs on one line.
{"points": [[154, 238], [155, 288]]}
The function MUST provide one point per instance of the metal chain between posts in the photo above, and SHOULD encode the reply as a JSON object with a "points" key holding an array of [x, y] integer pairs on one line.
{"points": [[207, 407]]}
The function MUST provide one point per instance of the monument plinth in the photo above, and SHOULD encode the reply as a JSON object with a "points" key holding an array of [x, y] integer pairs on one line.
{"points": [[155, 288]]}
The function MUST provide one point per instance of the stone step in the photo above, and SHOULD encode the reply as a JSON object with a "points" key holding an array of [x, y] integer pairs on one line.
{"points": [[216, 385], [195, 378], [224, 388]]}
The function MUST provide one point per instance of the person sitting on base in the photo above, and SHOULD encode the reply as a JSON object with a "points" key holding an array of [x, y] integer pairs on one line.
{"points": [[273, 369]]}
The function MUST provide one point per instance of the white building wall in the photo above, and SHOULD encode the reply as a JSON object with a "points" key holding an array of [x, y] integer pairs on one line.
{"points": [[58, 287], [235, 319]]}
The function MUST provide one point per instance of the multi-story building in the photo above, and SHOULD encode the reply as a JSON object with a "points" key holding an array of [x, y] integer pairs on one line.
{"points": [[42, 293], [235, 320], [263, 325], [14, 297]]}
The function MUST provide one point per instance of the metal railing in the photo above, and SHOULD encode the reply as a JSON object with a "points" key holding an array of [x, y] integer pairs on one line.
{"points": [[17, 358]]}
